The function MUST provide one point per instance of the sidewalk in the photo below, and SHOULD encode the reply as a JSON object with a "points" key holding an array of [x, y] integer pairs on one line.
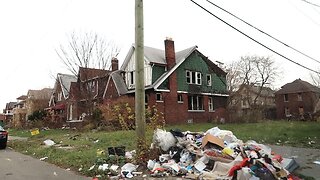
{"points": [[304, 157]]}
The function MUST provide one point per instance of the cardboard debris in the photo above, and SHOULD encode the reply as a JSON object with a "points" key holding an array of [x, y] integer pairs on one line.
{"points": [[212, 139]]}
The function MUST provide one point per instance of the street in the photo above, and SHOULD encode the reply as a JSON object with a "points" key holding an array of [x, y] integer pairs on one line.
{"points": [[16, 166]]}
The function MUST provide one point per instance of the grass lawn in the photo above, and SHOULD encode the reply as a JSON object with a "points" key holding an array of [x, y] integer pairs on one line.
{"points": [[79, 149]]}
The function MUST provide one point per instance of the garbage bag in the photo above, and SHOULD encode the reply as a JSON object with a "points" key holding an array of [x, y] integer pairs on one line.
{"points": [[164, 139]]}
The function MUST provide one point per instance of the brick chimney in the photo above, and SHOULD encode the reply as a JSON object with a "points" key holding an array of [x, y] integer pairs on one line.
{"points": [[169, 52], [114, 64]]}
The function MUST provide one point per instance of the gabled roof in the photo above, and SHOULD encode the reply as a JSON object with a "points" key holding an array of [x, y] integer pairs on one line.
{"points": [[86, 74], [65, 83], [44, 93], [298, 86], [10, 105], [118, 81]]}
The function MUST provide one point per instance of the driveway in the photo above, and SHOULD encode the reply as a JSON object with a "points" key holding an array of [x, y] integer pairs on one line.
{"points": [[16, 166]]}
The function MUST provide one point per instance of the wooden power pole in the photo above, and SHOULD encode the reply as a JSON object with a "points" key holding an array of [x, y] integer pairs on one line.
{"points": [[139, 77]]}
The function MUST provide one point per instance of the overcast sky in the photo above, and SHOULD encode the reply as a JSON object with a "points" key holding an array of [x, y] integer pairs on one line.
{"points": [[31, 30]]}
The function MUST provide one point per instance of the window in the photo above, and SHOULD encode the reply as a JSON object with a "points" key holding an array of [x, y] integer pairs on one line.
{"points": [[131, 78], [59, 96], [146, 99], [299, 97], [195, 102], [210, 103], [180, 99], [91, 86], [286, 98], [287, 112], [208, 79], [193, 77], [159, 97]]}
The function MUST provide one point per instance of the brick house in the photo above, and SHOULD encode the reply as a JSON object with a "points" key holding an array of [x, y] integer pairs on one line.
{"points": [[60, 96], [242, 101], [185, 86], [19, 112], [297, 100], [86, 92], [8, 111], [37, 100]]}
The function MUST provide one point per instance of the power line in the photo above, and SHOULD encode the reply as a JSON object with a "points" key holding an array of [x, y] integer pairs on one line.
{"points": [[253, 38], [264, 32], [311, 3]]}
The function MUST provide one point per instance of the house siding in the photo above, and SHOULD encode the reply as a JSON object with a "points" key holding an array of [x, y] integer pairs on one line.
{"points": [[195, 63]]}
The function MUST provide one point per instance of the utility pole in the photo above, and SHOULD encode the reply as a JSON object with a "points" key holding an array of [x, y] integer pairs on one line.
{"points": [[139, 78]]}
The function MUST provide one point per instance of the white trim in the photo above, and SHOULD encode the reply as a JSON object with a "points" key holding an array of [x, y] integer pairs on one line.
{"points": [[105, 90], [161, 90], [196, 111], [208, 94]]}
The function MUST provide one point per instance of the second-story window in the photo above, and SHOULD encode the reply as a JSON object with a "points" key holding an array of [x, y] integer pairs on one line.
{"points": [[59, 96], [299, 97], [286, 98], [193, 77]]}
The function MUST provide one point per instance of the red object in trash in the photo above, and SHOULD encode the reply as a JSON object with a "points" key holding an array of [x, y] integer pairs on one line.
{"points": [[95, 178], [277, 157]]}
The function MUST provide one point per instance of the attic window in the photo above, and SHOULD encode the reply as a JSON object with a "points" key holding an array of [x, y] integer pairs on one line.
{"points": [[193, 77], [209, 80]]}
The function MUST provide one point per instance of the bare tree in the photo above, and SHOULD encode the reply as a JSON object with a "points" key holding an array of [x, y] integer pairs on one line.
{"points": [[255, 71], [315, 77], [87, 50]]}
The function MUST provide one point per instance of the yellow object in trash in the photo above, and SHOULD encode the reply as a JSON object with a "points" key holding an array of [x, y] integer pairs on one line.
{"points": [[100, 152], [34, 131], [228, 151]]}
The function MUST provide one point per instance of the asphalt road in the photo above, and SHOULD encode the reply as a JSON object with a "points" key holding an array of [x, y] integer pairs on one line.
{"points": [[16, 166], [304, 157]]}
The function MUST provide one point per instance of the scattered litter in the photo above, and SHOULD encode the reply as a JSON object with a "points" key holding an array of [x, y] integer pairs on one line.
{"points": [[55, 173], [68, 169], [92, 167], [44, 158], [100, 152], [214, 154], [103, 167], [34, 131], [128, 169], [49, 142]]}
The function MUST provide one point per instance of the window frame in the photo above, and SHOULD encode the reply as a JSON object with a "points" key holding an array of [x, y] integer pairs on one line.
{"points": [[160, 99], [193, 77], [180, 98], [210, 104], [286, 98], [299, 96], [195, 100], [209, 80]]}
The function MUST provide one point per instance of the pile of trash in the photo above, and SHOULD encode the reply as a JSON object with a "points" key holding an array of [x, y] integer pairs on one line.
{"points": [[214, 154]]}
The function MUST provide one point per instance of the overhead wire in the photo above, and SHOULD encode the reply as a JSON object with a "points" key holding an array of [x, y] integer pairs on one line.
{"points": [[311, 3], [263, 32], [254, 39]]}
